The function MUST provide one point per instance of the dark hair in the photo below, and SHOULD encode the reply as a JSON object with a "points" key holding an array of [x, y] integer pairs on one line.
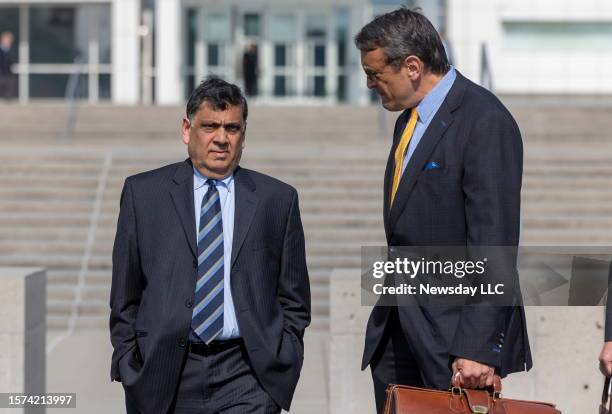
{"points": [[219, 94], [402, 33]]}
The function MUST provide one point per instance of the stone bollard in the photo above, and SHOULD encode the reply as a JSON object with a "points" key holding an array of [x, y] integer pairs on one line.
{"points": [[351, 390], [23, 329]]}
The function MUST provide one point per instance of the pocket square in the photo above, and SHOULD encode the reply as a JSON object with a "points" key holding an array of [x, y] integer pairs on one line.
{"points": [[431, 165]]}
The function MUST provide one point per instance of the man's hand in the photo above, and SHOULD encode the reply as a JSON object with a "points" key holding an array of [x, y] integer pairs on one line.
{"points": [[605, 359], [473, 374]]}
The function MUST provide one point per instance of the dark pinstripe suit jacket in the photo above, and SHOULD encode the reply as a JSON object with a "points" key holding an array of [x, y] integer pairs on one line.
{"points": [[472, 199], [154, 277]]}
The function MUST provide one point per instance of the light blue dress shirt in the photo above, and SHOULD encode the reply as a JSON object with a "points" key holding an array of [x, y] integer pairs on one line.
{"points": [[427, 110], [227, 198]]}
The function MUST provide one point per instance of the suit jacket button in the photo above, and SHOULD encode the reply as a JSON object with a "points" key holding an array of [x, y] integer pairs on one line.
{"points": [[195, 263], [181, 343], [189, 303]]}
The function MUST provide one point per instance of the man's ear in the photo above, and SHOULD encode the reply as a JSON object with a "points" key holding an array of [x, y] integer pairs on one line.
{"points": [[414, 66], [244, 135], [185, 129]]}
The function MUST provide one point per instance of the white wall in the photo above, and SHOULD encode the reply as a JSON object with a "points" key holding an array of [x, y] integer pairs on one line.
{"points": [[169, 44], [572, 63], [125, 51]]}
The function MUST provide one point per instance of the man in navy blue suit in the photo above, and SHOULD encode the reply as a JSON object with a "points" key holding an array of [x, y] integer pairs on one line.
{"points": [[210, 294], [453, 178]]}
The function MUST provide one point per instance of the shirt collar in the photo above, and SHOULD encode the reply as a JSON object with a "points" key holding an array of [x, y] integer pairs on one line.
{"points": [[199, 180], [434, 98]]}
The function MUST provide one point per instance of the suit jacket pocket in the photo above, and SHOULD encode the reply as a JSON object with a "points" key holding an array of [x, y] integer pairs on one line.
{"points": [[130, 366], [299, 348]]}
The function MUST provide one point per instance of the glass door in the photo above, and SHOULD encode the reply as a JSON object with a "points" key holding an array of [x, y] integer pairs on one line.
{"points": [[315, 61], [283, 36], [209, 46]]}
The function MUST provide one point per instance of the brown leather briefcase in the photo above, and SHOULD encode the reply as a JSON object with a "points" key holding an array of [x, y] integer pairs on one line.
{"points": [[411, 400], [604, 408]]}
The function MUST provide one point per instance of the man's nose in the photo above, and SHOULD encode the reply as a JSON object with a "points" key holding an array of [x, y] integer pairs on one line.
{"points": [[371, 83], [221, 136]]}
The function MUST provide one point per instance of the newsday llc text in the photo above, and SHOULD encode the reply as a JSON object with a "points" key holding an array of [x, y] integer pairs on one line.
{"points": [[433, 268]]}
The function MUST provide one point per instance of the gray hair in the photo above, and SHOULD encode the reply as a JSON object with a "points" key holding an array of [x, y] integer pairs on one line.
{"points": [[402, 33]]}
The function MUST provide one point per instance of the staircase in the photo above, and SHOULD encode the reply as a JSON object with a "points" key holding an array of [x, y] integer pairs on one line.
{"points": [[59, 199]]}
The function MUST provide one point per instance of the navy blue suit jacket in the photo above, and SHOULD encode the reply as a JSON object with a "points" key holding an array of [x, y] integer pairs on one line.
{"points": [[154, 278], [472, 199]]}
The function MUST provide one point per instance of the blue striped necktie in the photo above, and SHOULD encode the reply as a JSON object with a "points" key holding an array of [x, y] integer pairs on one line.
{"points": [[207, 318]]}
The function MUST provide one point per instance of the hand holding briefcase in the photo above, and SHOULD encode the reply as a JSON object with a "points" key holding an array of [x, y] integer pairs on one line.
{"points": [[411, 400]]}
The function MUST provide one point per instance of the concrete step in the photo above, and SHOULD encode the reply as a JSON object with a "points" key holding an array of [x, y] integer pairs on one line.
{"points": [[581, 183], [44, 194], [57, 322], [566, 223], [43, 234], [56, 262], [59, 307], [334, 261], [568, 209], [530, 195], [568, 171], [76, 181], [11, 247], [65, 277], [57, 205], [60, 292], [38, 220], [551, 236]]}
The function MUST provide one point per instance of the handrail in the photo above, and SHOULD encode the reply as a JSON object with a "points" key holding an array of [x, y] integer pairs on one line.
{"points": [[70, 95]]}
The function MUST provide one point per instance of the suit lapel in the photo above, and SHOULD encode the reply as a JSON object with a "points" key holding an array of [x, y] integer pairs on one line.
{"points": [[246, 202], [436, 129], [397, 133], [182, 197]]}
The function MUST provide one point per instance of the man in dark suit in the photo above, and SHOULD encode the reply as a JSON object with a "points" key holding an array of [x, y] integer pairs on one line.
{"points": [[210, 293], [453, 178]]}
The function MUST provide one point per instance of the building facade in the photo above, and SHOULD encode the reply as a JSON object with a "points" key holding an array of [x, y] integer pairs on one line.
{"points": [[156, 51]]}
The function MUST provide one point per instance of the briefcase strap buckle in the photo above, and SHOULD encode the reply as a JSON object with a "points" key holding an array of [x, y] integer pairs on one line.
{"points": [[480, 409]]}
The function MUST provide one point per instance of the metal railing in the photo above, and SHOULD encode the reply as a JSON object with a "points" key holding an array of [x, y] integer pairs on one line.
{"points": [[70, 96]]}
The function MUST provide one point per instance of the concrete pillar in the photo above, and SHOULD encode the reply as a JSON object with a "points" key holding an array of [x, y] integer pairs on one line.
{"points": [[358, 93], [168, 82], [23, 328], [126, 51], [351, 390]]}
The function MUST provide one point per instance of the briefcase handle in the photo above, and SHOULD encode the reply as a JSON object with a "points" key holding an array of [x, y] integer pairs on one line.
{"points": [[495, 390], [605, 398]]}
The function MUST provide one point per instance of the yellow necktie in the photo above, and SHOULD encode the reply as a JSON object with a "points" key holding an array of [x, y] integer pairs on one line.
{"points": [[400, 151]]}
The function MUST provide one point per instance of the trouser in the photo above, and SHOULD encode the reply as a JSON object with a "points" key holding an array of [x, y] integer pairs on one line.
{"points": [[219, 381], [393, 362]]}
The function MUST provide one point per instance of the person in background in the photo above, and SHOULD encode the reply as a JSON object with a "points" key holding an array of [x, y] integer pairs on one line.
{"points": [[8, 79], [250, 70]]}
